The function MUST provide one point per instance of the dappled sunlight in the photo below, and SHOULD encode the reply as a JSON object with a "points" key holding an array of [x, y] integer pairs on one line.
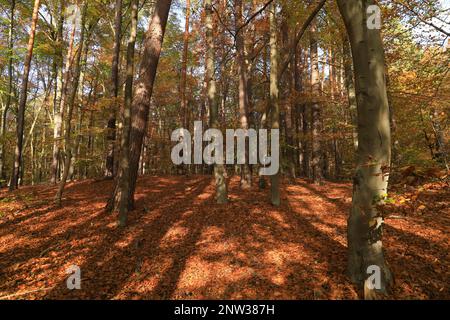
{"points": [[279, 219], [201, 273], [179, 244], [173, 235]]}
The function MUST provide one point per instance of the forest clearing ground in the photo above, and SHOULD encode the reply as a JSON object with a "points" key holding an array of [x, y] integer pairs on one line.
{"points": [[179, 244]]}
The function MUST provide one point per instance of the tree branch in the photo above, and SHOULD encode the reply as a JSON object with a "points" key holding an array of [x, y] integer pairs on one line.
{"points": [[301, 32]]}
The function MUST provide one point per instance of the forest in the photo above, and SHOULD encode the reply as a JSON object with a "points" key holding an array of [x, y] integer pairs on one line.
{"points": [[224, 149]]}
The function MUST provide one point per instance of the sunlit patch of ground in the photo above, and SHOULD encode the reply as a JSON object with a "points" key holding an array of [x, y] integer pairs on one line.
{"points": [[179, 244]]}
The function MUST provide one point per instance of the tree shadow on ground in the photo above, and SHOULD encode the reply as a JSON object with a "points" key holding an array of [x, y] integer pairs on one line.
{"points": [[179, 244]]}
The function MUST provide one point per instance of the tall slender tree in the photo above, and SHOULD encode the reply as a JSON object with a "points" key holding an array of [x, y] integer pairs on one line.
{"points": [[23, 99], [124, 166], [70, 108], [274, 95], [317, 173], [219, 169], [246, 178], [184, 104], [10, 86], [61, 96], [111, 130]]}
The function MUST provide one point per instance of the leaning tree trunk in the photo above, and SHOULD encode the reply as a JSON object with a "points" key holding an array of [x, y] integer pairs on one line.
{"points": [[23, 100], [142, 97], [219, 169], [144, 86], [374, 149]]}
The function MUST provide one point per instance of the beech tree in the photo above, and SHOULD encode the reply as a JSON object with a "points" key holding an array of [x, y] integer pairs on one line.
{"points": [[374, 148]]}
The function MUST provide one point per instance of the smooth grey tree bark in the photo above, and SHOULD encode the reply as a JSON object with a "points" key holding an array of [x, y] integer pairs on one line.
{"points": [[350, 87], [374, 149]]}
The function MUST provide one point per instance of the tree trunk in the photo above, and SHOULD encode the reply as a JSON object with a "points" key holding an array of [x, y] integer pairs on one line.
{"points": [[23, 100], [274, 96], [317, 172], [289, 119], [441, 147], [337, 155], [60, 99], [143, 94], [123, 194], [296, 112], [246, 179], [76, 154], [374, 149], [305, 123], [350, 86], [219, 169], [224, 76], [10, 89], [332, 73], [68, 124], [184, 106], [111, 129]]}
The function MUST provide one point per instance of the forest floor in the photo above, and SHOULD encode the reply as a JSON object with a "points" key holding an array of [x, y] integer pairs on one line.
{"points": [[179, 244]]}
